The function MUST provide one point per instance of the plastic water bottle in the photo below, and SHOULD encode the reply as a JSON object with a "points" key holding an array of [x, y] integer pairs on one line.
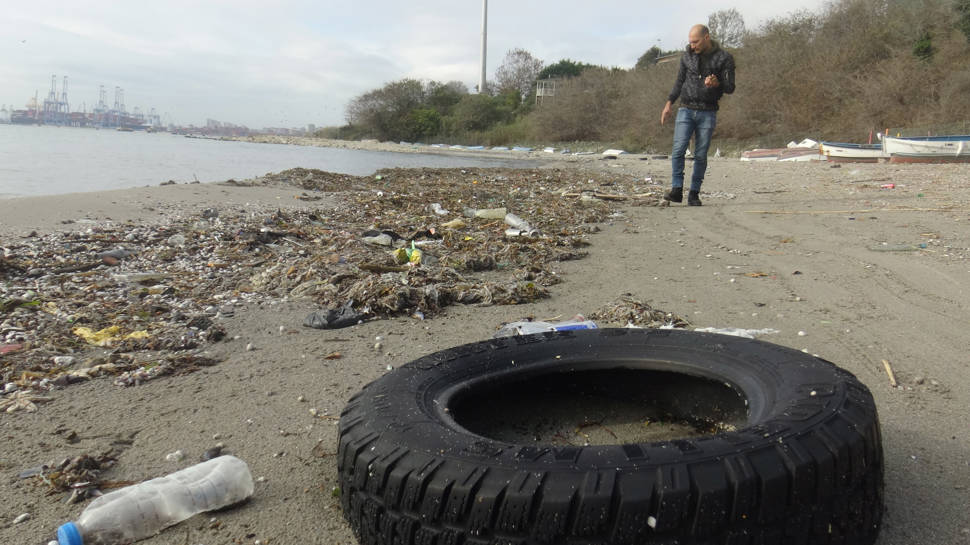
{"points": [[145, 509], [528, 328]]}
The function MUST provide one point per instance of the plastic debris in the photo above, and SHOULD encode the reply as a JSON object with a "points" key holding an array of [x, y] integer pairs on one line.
{"points": [[738, 332], [531, 327], [485, 213], [11, 347], [518, 227], [378, 239], [106, 336], [410, 255], [340, 318]]}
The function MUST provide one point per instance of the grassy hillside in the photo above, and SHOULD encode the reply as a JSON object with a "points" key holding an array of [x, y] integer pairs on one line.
{"points": [[857, 66]]}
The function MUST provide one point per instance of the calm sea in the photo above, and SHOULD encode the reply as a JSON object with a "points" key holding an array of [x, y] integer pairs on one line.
{"points": [[56, 160]]}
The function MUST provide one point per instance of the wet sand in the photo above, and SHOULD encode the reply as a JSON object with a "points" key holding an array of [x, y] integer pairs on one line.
{"points": [[840, 266]]}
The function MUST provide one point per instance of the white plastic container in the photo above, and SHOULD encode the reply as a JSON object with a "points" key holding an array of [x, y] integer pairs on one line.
{"points": [[528, 328], [145, 509]]}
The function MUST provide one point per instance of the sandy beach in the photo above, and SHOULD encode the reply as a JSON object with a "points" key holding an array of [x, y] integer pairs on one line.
{"points": [[864, 265]]}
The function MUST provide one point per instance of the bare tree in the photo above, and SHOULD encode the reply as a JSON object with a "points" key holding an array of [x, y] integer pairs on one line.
{"points": [[727, 27], [518, 72]]}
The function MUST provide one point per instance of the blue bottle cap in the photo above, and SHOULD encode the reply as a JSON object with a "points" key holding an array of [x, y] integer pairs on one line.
{"points": [[69, 534]]}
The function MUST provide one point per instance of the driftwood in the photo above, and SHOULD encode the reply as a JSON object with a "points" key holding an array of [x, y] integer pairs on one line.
{"points": [[377, 268], [889, 371], [609, 196]]}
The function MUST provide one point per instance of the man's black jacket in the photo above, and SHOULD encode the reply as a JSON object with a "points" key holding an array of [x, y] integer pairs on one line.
{"points": [[689, 86]]}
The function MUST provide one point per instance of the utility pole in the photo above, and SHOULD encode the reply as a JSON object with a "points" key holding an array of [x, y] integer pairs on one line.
{"points": [[481, 80]]}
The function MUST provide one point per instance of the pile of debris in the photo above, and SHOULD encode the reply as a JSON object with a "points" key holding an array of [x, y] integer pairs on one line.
{"points": [[628, 311], [137, 301]]}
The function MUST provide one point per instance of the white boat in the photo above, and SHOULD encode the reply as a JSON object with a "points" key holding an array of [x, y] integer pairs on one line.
{"points": [[927, 149], [843, 152], [783, 154], [762, 154], [801, 154], [806, 150]]}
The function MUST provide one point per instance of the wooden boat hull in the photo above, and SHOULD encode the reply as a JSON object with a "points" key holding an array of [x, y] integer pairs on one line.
{"points": [[928, 158]]}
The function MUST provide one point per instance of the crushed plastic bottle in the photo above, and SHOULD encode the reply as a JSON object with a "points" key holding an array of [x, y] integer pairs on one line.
{"points": [[485, 213], [516, 222], [512, 329], [518, 227], [145, 509]]}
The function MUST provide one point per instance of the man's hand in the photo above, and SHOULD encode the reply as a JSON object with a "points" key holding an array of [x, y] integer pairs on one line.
{"points": [[665, 115], [711, 81]]}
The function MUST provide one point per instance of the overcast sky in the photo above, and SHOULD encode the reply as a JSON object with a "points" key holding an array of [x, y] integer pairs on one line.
{"points": [[292, 62]]}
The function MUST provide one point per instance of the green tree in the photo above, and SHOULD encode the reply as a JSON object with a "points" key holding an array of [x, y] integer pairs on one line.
{"points": [[477, 112], [421, 124], [649, 58], [383, 112], [442, 97], [564, 69]]}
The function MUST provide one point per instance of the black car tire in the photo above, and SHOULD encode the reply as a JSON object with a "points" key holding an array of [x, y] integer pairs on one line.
{"points": [[805, 468]]}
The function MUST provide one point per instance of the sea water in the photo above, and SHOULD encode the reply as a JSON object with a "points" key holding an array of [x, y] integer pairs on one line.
{"points": [[49, 160]]}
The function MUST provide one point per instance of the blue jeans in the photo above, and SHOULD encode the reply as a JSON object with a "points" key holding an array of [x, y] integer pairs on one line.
{"points": [[701, 124]]}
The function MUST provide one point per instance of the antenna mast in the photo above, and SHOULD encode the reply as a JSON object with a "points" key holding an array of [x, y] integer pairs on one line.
{"points": [[481, 81]]}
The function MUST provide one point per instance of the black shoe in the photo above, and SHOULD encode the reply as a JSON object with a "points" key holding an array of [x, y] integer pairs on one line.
{"points": [[676, 194], [693, 198]]}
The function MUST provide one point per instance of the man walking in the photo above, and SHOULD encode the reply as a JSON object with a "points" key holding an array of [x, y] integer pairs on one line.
{"points": [[706, 73]]}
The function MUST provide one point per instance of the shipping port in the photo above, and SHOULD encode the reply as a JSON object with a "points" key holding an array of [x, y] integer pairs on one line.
{"points": [[56, 110]]}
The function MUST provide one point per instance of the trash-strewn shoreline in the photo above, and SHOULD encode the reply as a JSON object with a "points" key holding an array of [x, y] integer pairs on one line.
{"points": [[217, 280], [497, 152]]}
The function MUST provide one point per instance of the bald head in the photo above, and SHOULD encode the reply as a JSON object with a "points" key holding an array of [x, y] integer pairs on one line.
{"points": [[699, 38]]}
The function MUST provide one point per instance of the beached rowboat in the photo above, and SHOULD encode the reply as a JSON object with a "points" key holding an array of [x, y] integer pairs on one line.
{"points": [[801, 154], [761, 154], [852, 153], [783, 154], [927, 149]]}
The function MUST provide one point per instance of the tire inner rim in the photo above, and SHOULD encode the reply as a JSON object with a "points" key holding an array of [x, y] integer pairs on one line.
{"points": [[598, 407]]}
